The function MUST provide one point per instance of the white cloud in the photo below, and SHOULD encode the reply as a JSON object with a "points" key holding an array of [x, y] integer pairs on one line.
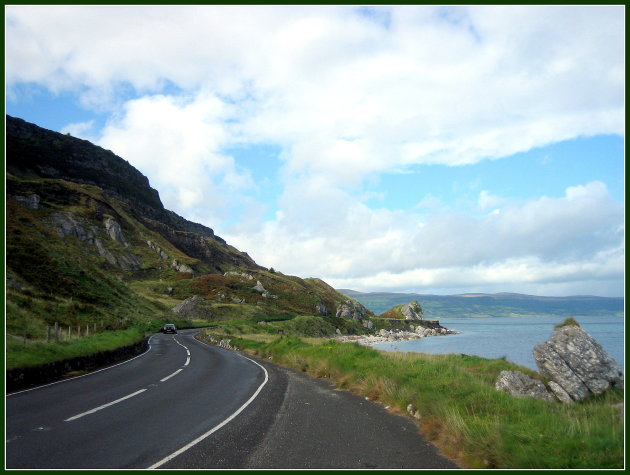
{"points": [[547, 240], [338, 90], [79, 129], [486, 200], [178, 143], [347, 95]]}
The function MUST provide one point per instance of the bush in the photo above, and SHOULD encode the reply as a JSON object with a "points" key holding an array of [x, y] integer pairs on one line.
{"points": [[568, 322]]}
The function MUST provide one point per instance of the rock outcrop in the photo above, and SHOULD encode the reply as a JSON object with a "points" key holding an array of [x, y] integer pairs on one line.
{"points": [[68, 224], [321, 309], [351, 309], [412, 311], [192, 307], [574, 361], [260, 288], [159, 250], [114, 231], [181, 267], [30, 201], [518, 384]]}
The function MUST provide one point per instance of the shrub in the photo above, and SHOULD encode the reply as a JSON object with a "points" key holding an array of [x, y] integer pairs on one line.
{"points": [[568, 322]]}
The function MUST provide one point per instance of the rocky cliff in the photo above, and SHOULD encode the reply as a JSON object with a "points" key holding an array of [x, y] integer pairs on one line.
{"points": [[89, 242], [35, 152]]}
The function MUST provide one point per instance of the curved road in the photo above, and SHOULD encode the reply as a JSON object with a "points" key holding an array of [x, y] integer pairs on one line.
{"points": [[184, 404]]}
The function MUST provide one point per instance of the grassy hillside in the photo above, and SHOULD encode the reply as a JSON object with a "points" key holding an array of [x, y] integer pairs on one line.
{"points": [[65, 269], [90, 251], [491, 305]]}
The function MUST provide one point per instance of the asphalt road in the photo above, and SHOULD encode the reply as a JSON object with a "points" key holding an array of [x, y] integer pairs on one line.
{"points": [[187, 405]]}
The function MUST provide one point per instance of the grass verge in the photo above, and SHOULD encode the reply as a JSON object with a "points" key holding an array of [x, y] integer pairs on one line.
{"points": [[457, 407], [20, 355]]}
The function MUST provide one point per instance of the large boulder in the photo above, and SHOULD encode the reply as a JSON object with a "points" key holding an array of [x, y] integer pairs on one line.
{"points": [[577, 363], [181, 267], [519, 384], [264, 292]]}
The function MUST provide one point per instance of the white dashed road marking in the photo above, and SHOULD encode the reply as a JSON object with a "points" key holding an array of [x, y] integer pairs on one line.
{"points": [[96, 409]]}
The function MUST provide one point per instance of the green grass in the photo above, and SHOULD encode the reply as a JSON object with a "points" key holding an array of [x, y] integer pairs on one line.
{"points": [[20, 355], [289, 325], [460, 411]]}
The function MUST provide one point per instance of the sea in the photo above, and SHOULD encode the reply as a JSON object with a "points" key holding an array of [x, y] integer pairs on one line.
{"points": [[512, 337]]}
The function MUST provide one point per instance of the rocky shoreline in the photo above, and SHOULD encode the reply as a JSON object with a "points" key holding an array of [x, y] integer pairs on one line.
{"points": [[389, 336]]}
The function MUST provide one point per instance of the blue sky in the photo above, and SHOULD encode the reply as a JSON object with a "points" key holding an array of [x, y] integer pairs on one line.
{"points": [[411, 148]]}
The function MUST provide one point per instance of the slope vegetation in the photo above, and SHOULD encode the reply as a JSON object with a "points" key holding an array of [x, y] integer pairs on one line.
{"points": [[91, 249]]}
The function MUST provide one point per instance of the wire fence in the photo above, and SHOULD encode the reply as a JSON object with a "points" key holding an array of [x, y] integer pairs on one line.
{"points": [[56, 333]]}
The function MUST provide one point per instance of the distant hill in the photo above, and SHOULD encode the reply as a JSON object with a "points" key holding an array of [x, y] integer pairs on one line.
{"points": [[492, 305]]}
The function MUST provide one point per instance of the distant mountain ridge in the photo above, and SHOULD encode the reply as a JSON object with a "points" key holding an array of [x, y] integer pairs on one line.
{"points": [[499, 304]]}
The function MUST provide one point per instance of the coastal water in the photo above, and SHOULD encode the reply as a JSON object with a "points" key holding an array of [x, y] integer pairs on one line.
{"points": [[512, 337]]}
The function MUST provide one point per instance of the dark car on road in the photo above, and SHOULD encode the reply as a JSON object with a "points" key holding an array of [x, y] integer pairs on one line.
{"points": [[169, 328]]}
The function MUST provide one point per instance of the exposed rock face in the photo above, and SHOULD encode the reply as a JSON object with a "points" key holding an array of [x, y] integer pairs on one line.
{"points": [[412, 311], [321, 309], [68, 224], [114, 231], [30, 201], [519, 384], [577, 363], [193, 307], [210, 250], [126, 261], [351, 309], [181, 267], [35, 151], [159, 250]]}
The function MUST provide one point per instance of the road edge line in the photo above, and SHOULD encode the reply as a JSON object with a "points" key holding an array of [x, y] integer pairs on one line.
{"points": [[84, 375]]}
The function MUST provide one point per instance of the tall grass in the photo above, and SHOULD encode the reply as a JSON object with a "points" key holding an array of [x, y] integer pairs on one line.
{"points": [[458, 408]]}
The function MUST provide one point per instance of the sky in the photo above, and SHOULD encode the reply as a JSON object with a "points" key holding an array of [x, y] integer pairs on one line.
{"points": [[417, 149]]}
